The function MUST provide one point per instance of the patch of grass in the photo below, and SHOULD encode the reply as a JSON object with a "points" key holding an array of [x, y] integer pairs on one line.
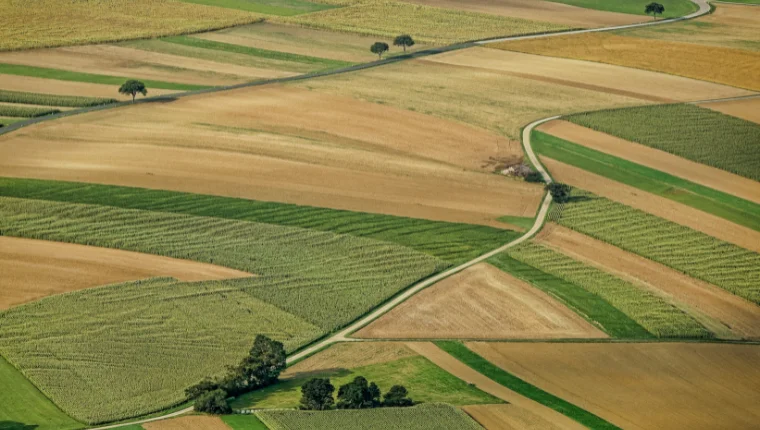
{"points": [[706, 199], [51, 100], [421, 417], [696, 254], [689, 131], [480, 364], [523, 222], [66, 75], [23, 406], [267, 7], [25, 111], [673, 8], [244, 422], [8, 121], [585, 303], [452, 242]]}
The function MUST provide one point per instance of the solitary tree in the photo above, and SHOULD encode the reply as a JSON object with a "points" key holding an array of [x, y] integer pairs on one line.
{"points": [[379, 48], [654, 9], [317, 394], [397, 397], [403, 40], [132, 88], [213, 402], [560, 192], [358, 394]]}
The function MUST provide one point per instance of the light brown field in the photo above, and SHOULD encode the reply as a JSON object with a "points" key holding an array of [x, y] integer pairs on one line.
{"points": [[508, 417], [481, 302], [485, 98], [193, 422], [699, 173], [283, 144], [656, 205], [546, 11], [748, 109], [703, 62], [721, 312], [643, 385], [464, 372], [350, 355], [33, 269], [66, 88], [641, 84]]}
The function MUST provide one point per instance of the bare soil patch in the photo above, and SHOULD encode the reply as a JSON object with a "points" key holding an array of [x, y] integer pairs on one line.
{"points": [[508, 417], [537, 10], [672, 385], [748, 109], [723, 313], [481, 302], [66, 88], [282, 144], [33, 269], [699, 173], [350, 355], [656, 205], [193, 422]]}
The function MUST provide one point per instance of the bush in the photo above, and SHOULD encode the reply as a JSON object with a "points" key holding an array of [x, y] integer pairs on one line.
{"points": [[535, 177], [213, 402]]}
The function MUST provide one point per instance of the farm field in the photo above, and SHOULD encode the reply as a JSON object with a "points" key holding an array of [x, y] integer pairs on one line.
{"points": [[640, 84], [269, 7], [673, 8], [748, 109], [30, 84], [723, 313], [33, 269], [193, 422], [690, 60], [676, 385], [356, 155], [507, 417], [481, 302]]}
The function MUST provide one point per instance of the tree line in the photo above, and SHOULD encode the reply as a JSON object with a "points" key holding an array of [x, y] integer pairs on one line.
{"points": [[317, 395]]}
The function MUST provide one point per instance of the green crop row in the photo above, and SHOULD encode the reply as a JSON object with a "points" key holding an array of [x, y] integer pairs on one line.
{"points": [[696, 254], [648, 310], [25, 111], [51, 100]]}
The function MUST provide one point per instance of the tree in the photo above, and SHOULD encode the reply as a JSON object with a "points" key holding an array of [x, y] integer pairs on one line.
{"points": [[560, 192], [317, 394], [132, 88], [397, 397], [213, 402], [379, 48], [654, 9], [358, 394], [201, 388], [403, 40], [534, 177]]}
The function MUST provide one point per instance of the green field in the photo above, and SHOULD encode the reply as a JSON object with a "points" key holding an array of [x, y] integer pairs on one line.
{"points": [[520, 221], [244, 422], [51, 100], [673, 8], [268, 7], [463, 354], [431, 416], [648, 310], [65, 75], [728, 266], [585, 303], [25, 111], [706, 199], [689, 131], [453, 242], [23, 406]]}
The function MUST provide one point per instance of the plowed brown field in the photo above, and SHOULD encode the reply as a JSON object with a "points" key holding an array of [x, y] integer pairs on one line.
{"points": [[194, 422], [33, 269], [508, 417], [350, 355], [721, 312], [646, 385], [66, 88], [748, 109], [660, 160], [283, 144], [481, 302], [656, 205]]}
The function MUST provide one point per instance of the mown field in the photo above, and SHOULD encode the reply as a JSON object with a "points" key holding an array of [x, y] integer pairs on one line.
{"points": [[692, 132], [673, 8]]}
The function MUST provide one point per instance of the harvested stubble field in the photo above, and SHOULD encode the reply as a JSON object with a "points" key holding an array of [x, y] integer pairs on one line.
{"points": [[508, 417], [723, 313], [430, 416], [639, 84], [691, 60], [688, 131], [748, 109], [700, 256], [48, 23], [387, 18], [481, 302], [29, 84], [653, 312], [673, 385], [354, 155]]}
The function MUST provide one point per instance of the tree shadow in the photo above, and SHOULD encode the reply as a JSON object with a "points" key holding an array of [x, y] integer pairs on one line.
{"points": [[576, 199], [12, 425]]}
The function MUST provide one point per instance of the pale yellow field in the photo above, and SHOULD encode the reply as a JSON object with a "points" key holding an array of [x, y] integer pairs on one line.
{"points": [[644, 385], [508, 417], [748, 109], [66, 88], [193, 422], [349, 355]]}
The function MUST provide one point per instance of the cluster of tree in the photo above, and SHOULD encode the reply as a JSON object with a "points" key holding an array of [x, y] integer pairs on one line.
{"points": [[654, 9], [262, 367], [380, 48], [560, 192], [317, 395]]}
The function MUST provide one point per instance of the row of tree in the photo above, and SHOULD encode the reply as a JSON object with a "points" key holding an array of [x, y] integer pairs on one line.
{"points": [[380, 48], [317, 395]]}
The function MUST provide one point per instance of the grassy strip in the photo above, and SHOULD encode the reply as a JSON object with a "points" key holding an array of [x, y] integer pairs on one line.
{"points": [[453, 242], [520, 221], [66, 75], [585, 303], [732, 208], [480, 364], [8, 121], [51, 100], [268, 7], [673, 8], [695, 133], [244, 422], [25, 111], [256, 52]]}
